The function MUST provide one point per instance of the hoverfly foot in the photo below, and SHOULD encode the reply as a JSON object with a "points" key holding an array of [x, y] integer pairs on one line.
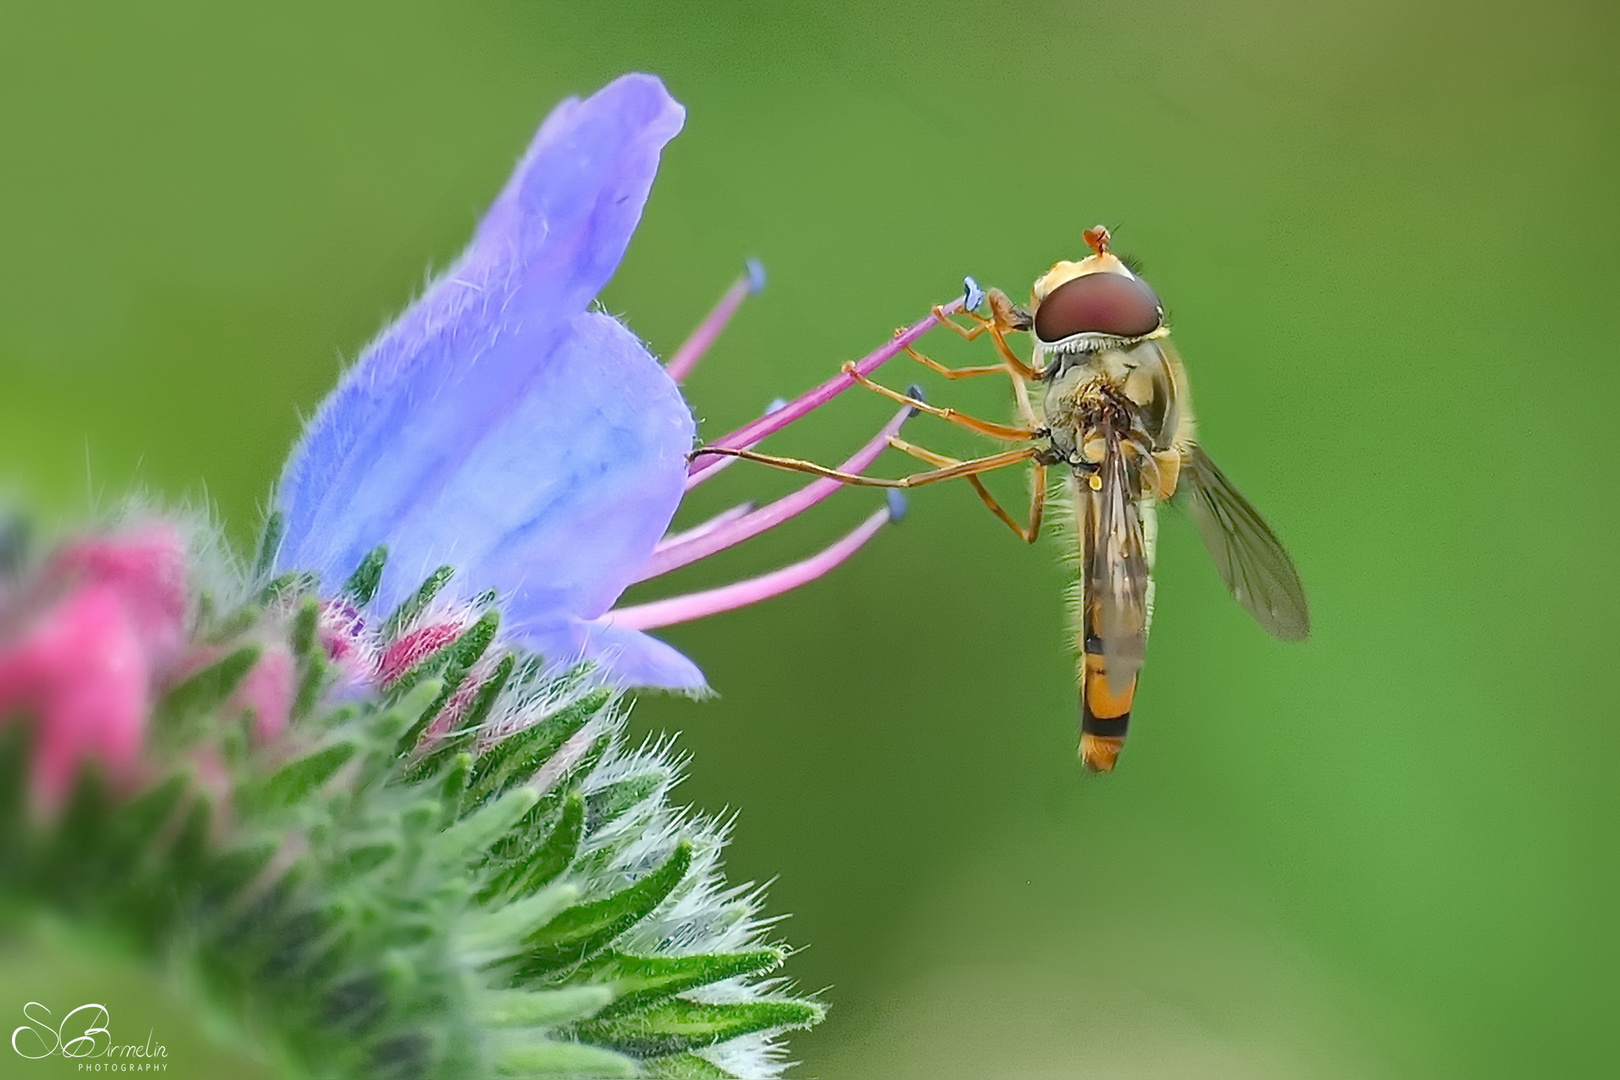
{"points": [[972, 295]]}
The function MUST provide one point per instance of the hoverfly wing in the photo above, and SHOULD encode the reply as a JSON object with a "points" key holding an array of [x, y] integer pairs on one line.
{"points": [[1251, 560], [1117, 574]]}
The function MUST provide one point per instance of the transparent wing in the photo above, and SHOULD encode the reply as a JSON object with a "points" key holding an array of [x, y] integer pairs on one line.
{"points": [[1250, 558], [1116, 569]]}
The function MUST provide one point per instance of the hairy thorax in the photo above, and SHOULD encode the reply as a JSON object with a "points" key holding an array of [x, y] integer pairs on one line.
{"points": [[1131, 392]]}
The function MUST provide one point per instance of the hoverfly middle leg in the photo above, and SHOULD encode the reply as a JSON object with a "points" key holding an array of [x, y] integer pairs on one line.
{"points": [[1019, 383], [1037, 499], [983, 427], [1005, 318]]}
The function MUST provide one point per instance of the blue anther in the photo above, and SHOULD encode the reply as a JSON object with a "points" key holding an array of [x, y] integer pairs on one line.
{"points": [[897, 507], [756, 275], [915, 392]]}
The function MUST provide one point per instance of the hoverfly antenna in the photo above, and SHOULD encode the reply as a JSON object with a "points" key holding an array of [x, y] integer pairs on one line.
{"points": [[1098, 238]]}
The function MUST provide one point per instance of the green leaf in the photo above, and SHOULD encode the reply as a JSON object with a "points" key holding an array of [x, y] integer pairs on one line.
{"points": [[679, 1025], [638, 981], [581, 931], [406, 613], [362, 584], [361, 860]]}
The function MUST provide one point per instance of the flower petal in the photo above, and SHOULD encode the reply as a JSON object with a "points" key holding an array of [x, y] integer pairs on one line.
{"points": [[626, 657], [498, 426]]}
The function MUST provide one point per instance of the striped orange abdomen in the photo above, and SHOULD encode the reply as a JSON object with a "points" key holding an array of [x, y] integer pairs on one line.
{"points": [[1105, 710]]}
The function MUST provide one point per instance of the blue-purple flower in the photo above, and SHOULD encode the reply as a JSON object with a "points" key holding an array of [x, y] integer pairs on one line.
{"points": [[505, 428]]}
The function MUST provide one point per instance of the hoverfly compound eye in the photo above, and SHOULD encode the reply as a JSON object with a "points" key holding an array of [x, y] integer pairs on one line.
{"points": [[1103, 303]]}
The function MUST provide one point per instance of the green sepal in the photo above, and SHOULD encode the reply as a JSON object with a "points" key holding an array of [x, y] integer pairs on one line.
{"points": [[231, 872], [452, 787], [679, 1025], [202, 693], [459, 657], [360, 860], [283, 586], [137, 823], [516, 757], [544, 861], [640, 981], [544, 1008], [483, 827], [406, 613], [609, 802], [581, 931], [275, 526], [573, 1061], [294, 781], [465, 738], [362, 584], [687, 1067], [490, 940], [305, 624]]}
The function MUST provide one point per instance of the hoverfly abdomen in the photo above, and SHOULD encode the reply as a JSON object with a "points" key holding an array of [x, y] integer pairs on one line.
{"points": [[1105, 711]]}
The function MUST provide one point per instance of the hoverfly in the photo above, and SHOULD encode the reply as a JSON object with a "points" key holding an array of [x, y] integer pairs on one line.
{"points": [[1115, 414]]}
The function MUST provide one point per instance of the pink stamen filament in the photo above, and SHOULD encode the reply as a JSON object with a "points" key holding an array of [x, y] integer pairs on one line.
{"points": [[692, 349], [686, 536], [690, 548], [698, 605], [750, 435]]}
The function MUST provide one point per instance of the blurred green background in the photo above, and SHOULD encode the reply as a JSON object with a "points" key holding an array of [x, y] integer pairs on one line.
{"points": [[1386, 234]]}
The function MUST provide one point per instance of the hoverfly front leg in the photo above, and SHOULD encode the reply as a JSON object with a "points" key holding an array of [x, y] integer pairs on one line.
{"points": [[1005, 318]]}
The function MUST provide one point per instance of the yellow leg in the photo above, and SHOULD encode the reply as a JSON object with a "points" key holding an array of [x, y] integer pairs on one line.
{"points": [[954, 373], [1020, 387], [969, 468], [983, 427], [1004, 319], [1037, 499]]}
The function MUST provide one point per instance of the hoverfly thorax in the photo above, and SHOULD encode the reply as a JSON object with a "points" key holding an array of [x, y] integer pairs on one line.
{"points": [[1098, 329]]}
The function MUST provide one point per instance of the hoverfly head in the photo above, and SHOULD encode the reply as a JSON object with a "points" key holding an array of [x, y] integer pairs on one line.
{"points": [[1100, 294]]}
